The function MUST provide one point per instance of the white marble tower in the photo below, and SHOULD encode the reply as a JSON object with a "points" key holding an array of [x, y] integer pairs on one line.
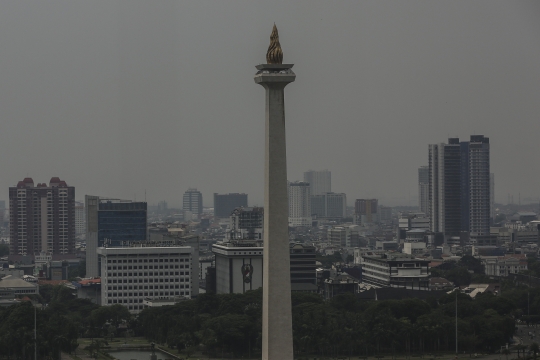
{"points": [[277, 342]]}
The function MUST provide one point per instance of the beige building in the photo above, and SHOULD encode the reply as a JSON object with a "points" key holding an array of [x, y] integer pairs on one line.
{"points": [[505, 265]]}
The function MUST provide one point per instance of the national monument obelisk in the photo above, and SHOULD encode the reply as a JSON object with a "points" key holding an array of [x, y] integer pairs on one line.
{"points": [[277, 342]]}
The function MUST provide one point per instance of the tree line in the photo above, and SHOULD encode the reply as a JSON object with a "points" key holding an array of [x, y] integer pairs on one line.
{"points": [[230, 324], [227, 325]]}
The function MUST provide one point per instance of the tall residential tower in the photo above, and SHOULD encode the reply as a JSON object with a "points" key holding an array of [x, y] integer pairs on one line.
{"points": [[459, 188], [42, 218]]}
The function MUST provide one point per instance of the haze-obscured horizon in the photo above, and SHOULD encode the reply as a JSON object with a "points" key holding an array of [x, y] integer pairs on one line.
{"points": [[122, 97]]}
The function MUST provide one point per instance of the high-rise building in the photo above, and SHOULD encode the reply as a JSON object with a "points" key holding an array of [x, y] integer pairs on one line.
{"points": [[366, 210], [318, 205], [329, 205], [459, 188], [423, 189], [224, 204], [192, 201], [42, 218], [336, 205], [80, 219], [320, 181], [2, 211], [479, 186], [299, 204], [112, 223], [492, 197], [445, 187]]}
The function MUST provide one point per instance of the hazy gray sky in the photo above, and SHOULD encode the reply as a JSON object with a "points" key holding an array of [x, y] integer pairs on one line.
{"points": [[116, 97]]}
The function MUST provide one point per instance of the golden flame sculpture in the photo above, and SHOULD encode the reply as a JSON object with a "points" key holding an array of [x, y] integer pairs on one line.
{"points": [[274, 55]]}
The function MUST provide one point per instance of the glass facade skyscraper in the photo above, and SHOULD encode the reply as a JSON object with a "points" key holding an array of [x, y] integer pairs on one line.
{"points": [[121, 222], [111, 223]]}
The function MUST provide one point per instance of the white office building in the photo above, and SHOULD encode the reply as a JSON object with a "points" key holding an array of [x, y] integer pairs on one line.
{"points": [[239, 266], [299, 204], [131, 274], [320, 182]]}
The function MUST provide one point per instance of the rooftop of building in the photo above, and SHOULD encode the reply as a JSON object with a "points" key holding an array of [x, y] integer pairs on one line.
{"points": [[397, 294], [240, 243], [165, 300], [11, 281], [387, 257], [342, 278], [439, 281], [29, 183], [89, 282]]}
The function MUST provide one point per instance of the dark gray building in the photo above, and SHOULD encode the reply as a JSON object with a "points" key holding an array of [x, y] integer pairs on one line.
{"points": [[459, 188], [112, 223], [224, 204], [303, 268], [192, 201], [423, 189]]}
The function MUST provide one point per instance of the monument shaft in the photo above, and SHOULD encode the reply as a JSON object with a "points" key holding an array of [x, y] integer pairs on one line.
{"points": [[277, 342]]}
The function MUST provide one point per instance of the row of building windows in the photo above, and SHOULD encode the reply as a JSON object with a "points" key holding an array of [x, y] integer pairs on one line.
{"points": [[148, 267], [144, 281], [148, 287], [166, 273], [124, 261], [131, 301]]}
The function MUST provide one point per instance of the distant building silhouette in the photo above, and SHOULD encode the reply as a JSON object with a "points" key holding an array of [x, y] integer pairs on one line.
{"points": [[319, 181], [224, 204]]}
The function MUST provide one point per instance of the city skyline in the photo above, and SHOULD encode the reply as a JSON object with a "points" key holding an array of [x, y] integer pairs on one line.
{"points": [[116, 98]]}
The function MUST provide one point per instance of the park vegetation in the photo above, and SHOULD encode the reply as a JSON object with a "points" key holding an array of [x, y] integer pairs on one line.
{"points": [[343, 326], [229, 325]]}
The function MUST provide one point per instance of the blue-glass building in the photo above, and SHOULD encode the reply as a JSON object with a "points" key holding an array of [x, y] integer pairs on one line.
{"points": [[111, 223], [120, 223]]}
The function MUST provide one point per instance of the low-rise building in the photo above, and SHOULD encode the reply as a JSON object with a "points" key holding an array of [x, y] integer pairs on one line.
{"points": [[414, 248], [149, 302], [89, 289], [505, 265], [396, 270], [438, 283], [344, 236], [474, 289], [18, 286], [340, 284]]}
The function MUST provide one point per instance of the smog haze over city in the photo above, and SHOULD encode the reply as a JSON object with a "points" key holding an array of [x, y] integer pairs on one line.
{"points": [[119, 98]]}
